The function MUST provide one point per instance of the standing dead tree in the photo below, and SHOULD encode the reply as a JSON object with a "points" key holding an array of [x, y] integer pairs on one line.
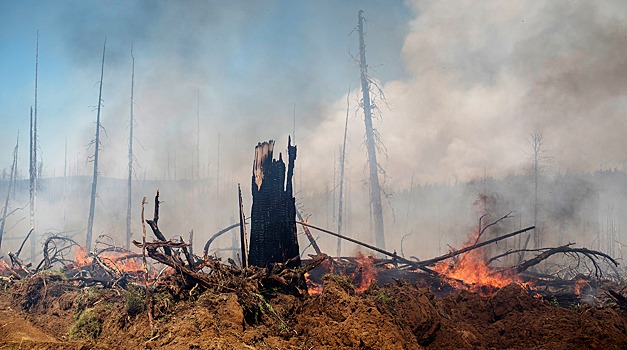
{"points": [[273, 216], [242, 229], [129, 183], [342, 164], [11, 184], [375, 188], [33, 160], [96, 143]]}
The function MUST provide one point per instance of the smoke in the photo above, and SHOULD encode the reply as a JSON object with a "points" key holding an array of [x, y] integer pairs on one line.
{"points": [[485, 75], [465, 84]]}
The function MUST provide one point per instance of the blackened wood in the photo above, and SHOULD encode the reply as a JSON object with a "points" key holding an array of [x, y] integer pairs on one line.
{"points": [[273, 215]]}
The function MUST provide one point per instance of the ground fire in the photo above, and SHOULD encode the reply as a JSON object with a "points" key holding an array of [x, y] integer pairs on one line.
{"points": [[168, 297], [460, 180]]}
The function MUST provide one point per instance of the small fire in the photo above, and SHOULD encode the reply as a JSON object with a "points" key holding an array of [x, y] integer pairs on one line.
{"points": [[472, 268], [364, 274], [116, 261], [312, 287], [580, 285], [81, 258]]}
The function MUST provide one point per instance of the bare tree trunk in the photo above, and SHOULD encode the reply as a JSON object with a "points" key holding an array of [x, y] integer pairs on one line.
{"points": [[31, 171], [342, 162], [129, 183], [536, 140], [94, 184], [536, 144], [11, 183], [33, 159], [242, 229], [65, 185], [375, 188], [218, 185], [198, 137]]}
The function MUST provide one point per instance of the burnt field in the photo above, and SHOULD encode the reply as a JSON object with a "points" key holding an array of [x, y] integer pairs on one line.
{"points": [[166, 297], [255, 310]]}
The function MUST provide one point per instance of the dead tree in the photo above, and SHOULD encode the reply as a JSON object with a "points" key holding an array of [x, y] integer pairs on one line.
{"points": [[129, 182], [375, 188], [197, 140], [342, 163], [273, 216], [33, 159], [242, 229], [11, 183], [65, 185], [96, 143]]}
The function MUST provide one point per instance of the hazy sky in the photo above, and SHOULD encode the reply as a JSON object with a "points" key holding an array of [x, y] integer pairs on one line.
{"points": [[466, 83]]}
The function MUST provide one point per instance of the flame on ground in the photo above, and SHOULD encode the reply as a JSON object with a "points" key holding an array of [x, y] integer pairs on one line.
{"points": [[81, 258], [472, 268], [118, 261], [362, 276]]}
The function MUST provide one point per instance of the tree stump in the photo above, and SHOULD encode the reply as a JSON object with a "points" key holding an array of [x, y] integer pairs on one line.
{"points": [[273, 214]]}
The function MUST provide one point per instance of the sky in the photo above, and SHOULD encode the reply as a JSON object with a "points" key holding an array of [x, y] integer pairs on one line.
{"points": [[463, 85]]}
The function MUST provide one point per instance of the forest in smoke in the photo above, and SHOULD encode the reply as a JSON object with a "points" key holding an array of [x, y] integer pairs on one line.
{"points": [[576, 207], [458, 90]]}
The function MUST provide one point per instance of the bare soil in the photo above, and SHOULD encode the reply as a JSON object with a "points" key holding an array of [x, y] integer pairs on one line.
{"points": [[47, 312]]}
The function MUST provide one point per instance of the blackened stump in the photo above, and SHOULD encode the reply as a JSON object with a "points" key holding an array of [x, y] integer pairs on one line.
{"points": [[273, 215]]}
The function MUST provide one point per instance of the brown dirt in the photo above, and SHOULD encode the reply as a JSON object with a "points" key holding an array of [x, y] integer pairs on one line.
{"points": [[40, 312]]}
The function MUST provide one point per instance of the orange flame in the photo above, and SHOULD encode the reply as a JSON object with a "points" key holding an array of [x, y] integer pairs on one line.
{"points": [[81, 258], [472, 268], [365, 273], [117, 261], [312, 287], [580, 285]]}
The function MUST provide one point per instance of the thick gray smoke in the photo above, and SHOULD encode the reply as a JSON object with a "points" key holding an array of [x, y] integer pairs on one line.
{"points": [[464, 83]]}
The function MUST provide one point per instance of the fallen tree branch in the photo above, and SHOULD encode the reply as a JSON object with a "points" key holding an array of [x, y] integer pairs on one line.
{"points": [[566, 249]]}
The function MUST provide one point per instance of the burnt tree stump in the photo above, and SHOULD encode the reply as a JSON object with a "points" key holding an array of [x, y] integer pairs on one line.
{"points": [[273, 214]]}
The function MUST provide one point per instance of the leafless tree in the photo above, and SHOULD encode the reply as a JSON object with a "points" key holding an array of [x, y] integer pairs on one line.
{"points": [[96, 144]]}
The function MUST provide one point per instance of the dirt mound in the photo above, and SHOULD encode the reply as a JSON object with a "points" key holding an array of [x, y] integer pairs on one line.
{"points": [[47, 312], [514, 319]]}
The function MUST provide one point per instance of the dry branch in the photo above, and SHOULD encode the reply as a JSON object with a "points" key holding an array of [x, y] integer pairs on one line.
{"points": [[592, 255]]}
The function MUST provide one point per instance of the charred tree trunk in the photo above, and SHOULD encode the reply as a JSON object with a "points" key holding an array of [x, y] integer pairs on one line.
{"points": [[94, 184], [375, 188], [273, 215]]}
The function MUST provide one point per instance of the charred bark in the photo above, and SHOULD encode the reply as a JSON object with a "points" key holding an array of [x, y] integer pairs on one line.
{"points": [[273, 215]]}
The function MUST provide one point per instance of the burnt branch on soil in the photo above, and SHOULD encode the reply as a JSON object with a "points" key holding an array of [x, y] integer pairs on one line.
{"points": [[155, 227], [17, 254], [592, 255], [620, 300], [55, 250]]}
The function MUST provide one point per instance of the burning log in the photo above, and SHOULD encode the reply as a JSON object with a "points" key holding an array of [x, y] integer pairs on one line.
{"points": [[273, 216]]}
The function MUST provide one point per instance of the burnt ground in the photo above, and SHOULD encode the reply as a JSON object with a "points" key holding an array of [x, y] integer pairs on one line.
{"points": [[48, 312]]}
